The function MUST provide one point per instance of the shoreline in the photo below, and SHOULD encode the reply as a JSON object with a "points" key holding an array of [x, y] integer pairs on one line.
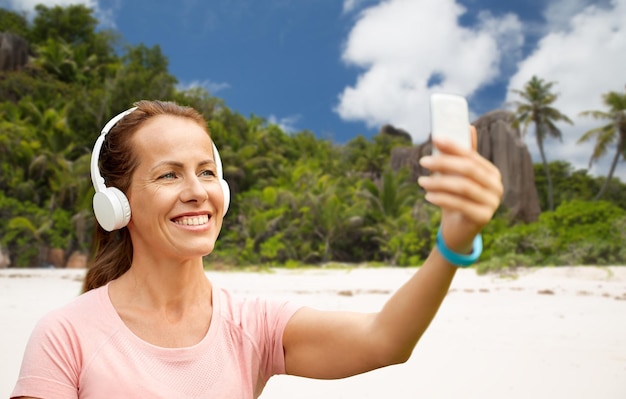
{"points": [[544, 332]]}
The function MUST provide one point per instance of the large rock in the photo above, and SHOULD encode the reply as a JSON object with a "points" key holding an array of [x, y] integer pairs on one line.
{"points": [[14, 51], [77, 260], [500, 143], [5, 260], [395, 132], [56, 257]]}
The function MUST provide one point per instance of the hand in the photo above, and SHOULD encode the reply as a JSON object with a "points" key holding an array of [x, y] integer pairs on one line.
{"points": [[467, 188]]}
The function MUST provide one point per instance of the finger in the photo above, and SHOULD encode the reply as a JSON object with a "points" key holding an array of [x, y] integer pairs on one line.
{"points": [[463, 188], [445, 145], [474, 137], [478, 213], [471, 165]]}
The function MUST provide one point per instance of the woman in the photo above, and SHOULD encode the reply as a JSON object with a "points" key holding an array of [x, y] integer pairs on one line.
{"points": [[152, 325]]}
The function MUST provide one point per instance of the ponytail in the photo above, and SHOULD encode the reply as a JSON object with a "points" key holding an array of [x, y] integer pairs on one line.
{"points": [[112, 255]]}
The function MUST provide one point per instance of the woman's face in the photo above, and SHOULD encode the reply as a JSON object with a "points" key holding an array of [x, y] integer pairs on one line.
{"points": [[176, 200]]}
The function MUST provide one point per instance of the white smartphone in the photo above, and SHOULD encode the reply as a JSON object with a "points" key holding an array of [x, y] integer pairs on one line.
{"points": [[449, 118]]}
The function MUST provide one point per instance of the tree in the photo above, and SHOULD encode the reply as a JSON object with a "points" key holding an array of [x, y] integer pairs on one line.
{"points": [[390, 202], [13, 22], [568, 183], [369, 157], [536, 108], [55, 57], [614, 132], [75, 24], [143, 74]]}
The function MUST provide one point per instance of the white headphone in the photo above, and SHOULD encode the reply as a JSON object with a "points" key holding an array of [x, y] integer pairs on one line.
{"points": [[110, 205]]}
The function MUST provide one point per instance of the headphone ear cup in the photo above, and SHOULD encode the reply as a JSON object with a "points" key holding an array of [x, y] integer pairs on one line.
{"points": [[226, 191], [111, 208]]}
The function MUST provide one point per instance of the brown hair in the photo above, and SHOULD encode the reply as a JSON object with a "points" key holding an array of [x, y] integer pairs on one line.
{"points": [[112, 252]]}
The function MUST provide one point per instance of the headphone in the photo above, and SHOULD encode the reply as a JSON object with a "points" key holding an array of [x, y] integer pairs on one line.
{"points": [[110, 205]]}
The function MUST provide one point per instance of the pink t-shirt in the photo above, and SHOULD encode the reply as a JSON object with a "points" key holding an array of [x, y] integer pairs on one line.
{"points": [[84, 350]]}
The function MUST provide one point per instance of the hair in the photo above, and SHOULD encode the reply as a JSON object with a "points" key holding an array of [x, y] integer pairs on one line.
{"points": [[112, 252]]}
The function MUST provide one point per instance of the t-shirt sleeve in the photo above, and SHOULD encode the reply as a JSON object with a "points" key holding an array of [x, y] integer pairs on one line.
{"points": [[281, 312], [50, 367], [270, 319]]}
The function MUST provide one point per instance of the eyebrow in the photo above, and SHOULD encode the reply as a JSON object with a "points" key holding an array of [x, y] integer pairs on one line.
{"points": [[177, 164]]}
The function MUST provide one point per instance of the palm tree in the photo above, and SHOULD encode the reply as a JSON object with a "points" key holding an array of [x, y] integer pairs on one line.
{"points": [[57, 58], [38, 230], [605, 136], [388, 200], [389, 195], [53, 166], [536, 109]]}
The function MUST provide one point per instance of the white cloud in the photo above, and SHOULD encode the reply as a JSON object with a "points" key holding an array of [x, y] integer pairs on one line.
{"points": [[349, 5], [559, 13], [402, 44], [210, 86], [29, 5], [352, 5], [105, 16], [287, 124], [587, 59]]}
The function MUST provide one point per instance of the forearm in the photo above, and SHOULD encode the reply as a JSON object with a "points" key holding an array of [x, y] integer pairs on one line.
{"points": [[408, 313], [468, 189]]}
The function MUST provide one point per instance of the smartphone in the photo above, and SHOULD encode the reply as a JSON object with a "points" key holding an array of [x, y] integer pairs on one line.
{"points": [[449, 118]]}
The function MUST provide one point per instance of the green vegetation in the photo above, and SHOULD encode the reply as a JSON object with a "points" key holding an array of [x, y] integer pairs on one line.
{"points": [[536, 109], [577, 233], [614, 132], [297, 199]]}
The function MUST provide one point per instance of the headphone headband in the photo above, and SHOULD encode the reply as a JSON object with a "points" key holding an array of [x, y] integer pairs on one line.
{"points": [[96, 177]]}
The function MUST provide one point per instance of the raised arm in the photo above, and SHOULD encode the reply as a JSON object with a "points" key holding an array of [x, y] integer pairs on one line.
{"points": [[323, 344]]}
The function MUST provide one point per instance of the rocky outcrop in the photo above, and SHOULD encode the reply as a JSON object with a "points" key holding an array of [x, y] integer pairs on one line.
{"points": [[500, 143], [14, 51], [56, 257], [77, 260], [5, 260], [395, 132], [409, 157]]}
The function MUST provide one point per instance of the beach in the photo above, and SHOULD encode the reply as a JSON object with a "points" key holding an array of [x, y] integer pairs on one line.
{"points": [[533, 333]]}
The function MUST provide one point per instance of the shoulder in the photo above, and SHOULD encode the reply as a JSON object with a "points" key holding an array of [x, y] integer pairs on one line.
{"points": [[257, 324], [60, 343], [78, 320], [81, 310], [253, 312]]}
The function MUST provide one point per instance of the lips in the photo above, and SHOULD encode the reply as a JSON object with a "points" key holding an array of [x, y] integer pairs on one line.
{"points": [[196, 220]]}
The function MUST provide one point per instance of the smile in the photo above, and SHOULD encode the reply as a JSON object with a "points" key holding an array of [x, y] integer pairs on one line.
{"points": [[192, 220]]}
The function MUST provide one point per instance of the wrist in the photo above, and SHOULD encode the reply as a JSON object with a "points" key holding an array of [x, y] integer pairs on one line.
{"points": [[460, 259]]}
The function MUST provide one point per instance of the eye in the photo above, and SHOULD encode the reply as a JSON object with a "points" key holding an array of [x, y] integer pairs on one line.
{"points": [[168, 176], [207, 173]]}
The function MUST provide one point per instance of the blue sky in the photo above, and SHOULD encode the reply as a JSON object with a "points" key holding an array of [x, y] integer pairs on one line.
{"points": [[343, 68]]}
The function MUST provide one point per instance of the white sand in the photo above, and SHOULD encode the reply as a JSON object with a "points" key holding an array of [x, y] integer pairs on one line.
{"points": [[547, 333]]}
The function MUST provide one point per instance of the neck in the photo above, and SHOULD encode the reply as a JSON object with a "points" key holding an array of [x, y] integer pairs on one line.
{"points": [[168, 304], [163, 284]]}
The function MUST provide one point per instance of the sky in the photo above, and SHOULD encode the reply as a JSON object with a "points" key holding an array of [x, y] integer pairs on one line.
{"points": [[341, 68]]}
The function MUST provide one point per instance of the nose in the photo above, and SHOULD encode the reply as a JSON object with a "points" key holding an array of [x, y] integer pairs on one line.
{"points": [[194, 190]]}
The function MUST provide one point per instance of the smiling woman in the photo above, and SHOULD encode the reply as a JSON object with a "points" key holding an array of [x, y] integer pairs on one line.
{"points": [[133, 143], [151, 324]]}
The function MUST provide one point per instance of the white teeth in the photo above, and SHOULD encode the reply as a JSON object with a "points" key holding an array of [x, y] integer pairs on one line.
{"points": [[192, 220]]}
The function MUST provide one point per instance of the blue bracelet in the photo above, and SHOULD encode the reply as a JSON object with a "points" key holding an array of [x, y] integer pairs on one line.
{"points": [[460, 259]]}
